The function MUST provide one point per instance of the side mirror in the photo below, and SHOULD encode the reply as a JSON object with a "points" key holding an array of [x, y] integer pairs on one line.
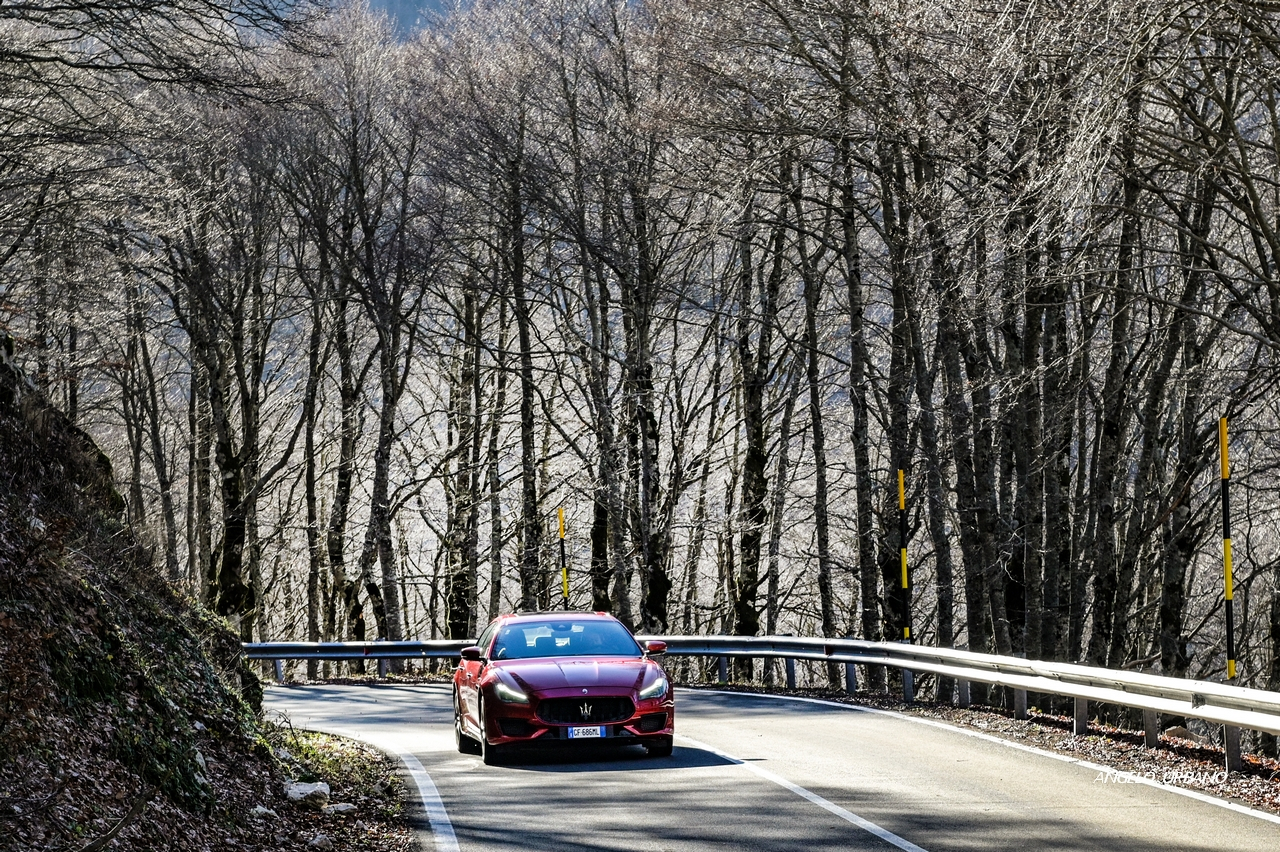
{"points": [[654, 647], [471, 653]]}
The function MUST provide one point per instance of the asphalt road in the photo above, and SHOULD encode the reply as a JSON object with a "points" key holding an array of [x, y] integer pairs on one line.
{"points": [[761, 773]]}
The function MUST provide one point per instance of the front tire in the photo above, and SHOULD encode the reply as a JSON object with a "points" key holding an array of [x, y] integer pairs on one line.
{"points": [[491, 754], [662, 748]]}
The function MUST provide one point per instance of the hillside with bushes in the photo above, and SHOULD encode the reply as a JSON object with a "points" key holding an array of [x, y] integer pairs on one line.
{"points": [[127, 714]]}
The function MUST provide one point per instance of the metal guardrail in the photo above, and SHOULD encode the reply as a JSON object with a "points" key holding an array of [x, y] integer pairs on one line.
{"points": [[337, 651], [1233, 706], [437, 648], [1255, 709]]}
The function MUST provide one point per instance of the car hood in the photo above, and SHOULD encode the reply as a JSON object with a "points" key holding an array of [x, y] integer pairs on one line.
{"points": [[568, 672]]}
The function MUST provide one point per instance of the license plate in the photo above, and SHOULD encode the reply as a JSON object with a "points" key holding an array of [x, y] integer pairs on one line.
{"points": [[585, 733]]}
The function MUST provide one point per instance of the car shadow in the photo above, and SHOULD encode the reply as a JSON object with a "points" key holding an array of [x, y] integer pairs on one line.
{"points": [[613, 759]]}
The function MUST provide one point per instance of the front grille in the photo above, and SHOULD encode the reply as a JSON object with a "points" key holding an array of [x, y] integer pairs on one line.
{"points": [[652, 722], [588, 710]]}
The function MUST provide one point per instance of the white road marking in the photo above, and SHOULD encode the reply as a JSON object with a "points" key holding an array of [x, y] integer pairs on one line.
{"points": [[1065, 758], [831, 807], [441, 827]]}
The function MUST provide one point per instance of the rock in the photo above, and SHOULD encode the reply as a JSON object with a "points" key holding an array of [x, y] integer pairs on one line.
{"points": [[283, 755], [1183, 733], [360, 827], [314, 796], [201, 762], [320, 841], [262, 811], [338, 809], [199, 726]]}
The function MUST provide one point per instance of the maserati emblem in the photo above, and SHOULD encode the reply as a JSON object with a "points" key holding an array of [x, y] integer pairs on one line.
{"points": [[584, 692], [585, 710]]}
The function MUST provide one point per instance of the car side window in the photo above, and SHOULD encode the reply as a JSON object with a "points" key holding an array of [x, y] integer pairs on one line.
{"points": [[485, 638]]}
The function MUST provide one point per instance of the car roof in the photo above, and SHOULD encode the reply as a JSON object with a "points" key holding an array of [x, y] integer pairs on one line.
{"points": [[554, 615]]}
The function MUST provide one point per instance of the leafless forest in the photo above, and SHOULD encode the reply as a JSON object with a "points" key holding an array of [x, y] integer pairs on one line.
{"points": [[354, 314]]}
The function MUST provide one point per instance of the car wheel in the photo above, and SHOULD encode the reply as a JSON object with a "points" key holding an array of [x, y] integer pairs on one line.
{"points": [[491, 754], [466, 744], [662, 748]]}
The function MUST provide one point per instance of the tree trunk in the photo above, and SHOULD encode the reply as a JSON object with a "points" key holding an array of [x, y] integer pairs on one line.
{"points": [[1057, 454], [755, 336], [897, 218], [780, 482], [812, 283], [530, 512], [492, 457], [349, 391], [463, 536], [200, 526], [315, 553], [931, 442], [1108, 477], [859, 391]]}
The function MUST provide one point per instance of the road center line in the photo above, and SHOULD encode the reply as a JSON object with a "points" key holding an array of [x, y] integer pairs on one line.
{"points": [[831, 807], [1065, 758]]}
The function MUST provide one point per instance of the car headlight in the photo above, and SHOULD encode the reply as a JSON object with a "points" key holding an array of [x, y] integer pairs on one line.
{"points": [[657, 689], [509, 694]]}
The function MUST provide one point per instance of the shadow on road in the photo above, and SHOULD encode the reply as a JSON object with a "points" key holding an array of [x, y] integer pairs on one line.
{"points": [[614, 759]]}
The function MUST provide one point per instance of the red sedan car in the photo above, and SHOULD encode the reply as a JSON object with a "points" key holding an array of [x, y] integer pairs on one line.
{"points": [[561, 678]]}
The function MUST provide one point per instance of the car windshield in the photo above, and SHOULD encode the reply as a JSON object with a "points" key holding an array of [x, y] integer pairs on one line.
{"points": [[525, 640]]}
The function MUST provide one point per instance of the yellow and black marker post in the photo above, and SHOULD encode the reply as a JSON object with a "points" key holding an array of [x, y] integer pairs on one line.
{"points": [[1226, 548], [564, 566], [908, 677], [902, 540]]}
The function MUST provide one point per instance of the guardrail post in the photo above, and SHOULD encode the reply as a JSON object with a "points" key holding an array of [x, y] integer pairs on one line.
{"points": [[962, 694], [382, 667], [1151, 728], [278, 666], [908, 676], [1080, 724], [1020, 698], [790, 663], [724, 670], [850, 679], [1231, 742]]}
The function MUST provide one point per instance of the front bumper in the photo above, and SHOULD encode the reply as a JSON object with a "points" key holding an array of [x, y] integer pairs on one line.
{"points": [[519, 724]]}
